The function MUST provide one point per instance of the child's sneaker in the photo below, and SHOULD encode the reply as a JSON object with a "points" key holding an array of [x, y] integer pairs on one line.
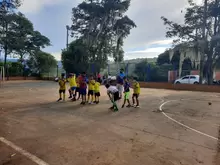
{"points": [[97, 102], [137, 106], [128, 106], [122, 106], [133, 105], [59, 99], [70, 97], [111, 108]]}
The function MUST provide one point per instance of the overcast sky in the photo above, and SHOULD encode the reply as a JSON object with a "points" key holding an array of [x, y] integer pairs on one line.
{"points": [[147, 40]]}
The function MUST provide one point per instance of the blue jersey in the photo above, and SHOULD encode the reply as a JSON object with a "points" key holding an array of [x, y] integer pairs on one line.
{"points": [[126, 87], [120, 78]]}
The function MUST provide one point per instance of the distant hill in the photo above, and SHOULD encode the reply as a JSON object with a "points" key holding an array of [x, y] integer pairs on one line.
{"points": [[138, 60]]}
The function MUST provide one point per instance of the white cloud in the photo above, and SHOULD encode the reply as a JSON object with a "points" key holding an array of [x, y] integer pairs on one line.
{"points": [[34, 6], [163, 42], [57, 55], [199, 1], [146, 14], [150, 50], [147, 53]]}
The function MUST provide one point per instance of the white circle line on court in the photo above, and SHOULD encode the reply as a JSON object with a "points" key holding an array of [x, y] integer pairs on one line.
{"points": [[192, 129], [23, 152]]}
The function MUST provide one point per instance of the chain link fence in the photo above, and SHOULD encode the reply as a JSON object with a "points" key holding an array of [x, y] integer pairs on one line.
{"points": [[150, 72]]}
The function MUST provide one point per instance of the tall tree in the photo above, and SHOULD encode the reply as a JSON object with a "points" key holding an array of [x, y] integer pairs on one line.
{"points": [[163, 58], [21, 38], [102, 25], [202, 30], [140, 70], [17, 34], [75, 59], [6, 7], [42, 62]]}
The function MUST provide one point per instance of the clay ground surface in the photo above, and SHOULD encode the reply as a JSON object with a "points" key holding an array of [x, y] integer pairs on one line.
{"points": [[67, 133]]}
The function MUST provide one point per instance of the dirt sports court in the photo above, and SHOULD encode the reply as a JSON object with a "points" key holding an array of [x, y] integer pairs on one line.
{"points": [[170, 128]]}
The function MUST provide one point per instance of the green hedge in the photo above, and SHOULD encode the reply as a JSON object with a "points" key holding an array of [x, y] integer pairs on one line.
{"points": [[14, 68]]}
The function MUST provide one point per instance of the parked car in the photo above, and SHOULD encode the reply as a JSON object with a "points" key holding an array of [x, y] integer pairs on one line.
{"points": [[216, 82], [56, 79], [188, 79]]}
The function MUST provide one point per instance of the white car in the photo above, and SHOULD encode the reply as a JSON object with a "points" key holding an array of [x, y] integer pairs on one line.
{"points": [[56, 79], [188, 79]]}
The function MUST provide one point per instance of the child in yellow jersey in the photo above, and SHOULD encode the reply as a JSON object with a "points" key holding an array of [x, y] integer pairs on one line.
{"points": [[77, 91], [62, 84], [97, 90], [136, 93], [91, 87], [72, 83]]}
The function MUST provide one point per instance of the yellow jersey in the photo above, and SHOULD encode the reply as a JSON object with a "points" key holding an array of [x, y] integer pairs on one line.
{"points": [[92, 85], [62, 84], [97, 87], [72, 81], [136, 87]]}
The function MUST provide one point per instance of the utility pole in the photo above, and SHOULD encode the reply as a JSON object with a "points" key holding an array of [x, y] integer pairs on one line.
{"points": [[0, 55], [202, 53], [57, 70], [67, 36], [67, 40]]}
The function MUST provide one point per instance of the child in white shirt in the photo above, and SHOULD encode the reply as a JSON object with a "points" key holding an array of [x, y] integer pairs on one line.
{"points": [[113, 93]]}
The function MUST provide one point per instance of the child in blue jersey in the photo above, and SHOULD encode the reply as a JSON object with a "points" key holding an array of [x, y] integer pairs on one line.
{"points": [[126, 93]]}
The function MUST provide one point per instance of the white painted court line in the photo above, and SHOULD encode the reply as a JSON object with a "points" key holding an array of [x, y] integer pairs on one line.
{"points": [[192, 129], [23, 152]]}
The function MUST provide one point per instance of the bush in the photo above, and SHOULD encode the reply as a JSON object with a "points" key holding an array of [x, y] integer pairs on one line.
{"points": [[15, 69]]}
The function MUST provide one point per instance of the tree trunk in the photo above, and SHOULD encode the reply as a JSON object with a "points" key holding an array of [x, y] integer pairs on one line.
{"points": [[210, 75], [204, 40], [209, 71]]}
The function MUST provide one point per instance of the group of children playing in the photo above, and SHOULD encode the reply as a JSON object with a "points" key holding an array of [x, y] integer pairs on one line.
{"points": [[78, 89], [114, 93]]}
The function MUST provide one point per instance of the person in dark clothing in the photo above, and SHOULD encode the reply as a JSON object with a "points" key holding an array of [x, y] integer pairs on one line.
{"points": [[126, 93]]}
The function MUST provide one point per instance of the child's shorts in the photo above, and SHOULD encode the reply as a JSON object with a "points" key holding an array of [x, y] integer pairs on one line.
{"points": [[135, 95], [62, 91], [73, 88], [83, 91], [126, 95], [91, 92], [116, 96], [97, 94], [77, 89]]}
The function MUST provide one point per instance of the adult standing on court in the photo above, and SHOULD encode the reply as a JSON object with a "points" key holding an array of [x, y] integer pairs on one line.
{"points": [[120, 82]]}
